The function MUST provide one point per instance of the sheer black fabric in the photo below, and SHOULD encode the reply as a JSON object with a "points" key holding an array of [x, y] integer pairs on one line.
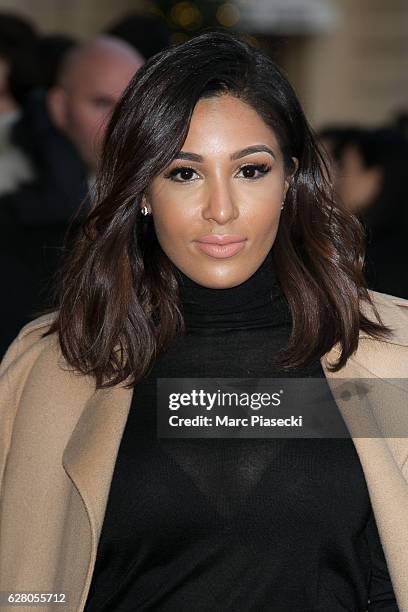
{"points": [[235, 524]]}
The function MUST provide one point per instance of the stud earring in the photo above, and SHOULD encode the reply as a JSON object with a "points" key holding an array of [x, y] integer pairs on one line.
{"points": [[144, 210], [283, 205]]}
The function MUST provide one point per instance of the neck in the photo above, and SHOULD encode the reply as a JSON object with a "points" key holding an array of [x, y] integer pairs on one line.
{"points": [[257, 302]]}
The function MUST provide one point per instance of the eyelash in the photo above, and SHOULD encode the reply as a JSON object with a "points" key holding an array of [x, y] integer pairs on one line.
{"points": [[261, 168]]}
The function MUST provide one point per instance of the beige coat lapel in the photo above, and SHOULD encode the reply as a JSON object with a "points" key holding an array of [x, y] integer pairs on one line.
{"points": [[89, 460], [384, 460]]}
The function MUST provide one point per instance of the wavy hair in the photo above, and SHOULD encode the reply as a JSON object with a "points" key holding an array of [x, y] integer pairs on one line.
{"points": [[119, 304]]}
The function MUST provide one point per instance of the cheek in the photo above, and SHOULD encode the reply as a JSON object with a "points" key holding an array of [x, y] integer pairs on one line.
{"points": [[171, 227], [100, 119], [169, 218], [261, 203], [264, 225], [173, 236], [88, 122], [78, 124], [95, 128]]}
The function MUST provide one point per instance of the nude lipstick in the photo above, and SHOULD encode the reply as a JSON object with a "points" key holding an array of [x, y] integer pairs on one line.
{"points": [[221, 246]]}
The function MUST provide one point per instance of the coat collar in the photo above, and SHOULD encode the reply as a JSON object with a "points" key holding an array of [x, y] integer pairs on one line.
{"points": [[90, 453], [89, 459]]}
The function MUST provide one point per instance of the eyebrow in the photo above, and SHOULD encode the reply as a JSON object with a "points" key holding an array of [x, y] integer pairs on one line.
{"points": [[185, 155]]}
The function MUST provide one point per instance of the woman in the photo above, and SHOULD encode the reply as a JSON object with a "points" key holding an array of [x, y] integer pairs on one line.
{"points": [[208, 145]]}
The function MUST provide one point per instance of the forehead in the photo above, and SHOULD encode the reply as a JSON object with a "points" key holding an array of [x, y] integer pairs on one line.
{"points": [[101, 74], [225, 122]]}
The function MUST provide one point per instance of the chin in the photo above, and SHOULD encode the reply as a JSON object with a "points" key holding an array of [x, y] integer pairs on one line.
{"points": [[223, 283]]}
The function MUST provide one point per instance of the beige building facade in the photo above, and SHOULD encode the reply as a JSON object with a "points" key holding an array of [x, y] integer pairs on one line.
{"points": [[355, 71], [359, 71]]}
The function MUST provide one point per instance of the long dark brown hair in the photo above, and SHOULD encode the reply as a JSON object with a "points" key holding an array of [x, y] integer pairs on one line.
{"points": [[119, 304]]}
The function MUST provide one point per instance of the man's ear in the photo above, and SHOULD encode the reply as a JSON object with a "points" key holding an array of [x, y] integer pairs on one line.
{"points": [[57, 107]]}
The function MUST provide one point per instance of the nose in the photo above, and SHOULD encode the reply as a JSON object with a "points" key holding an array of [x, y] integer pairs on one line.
{"points": [[220, 205]]}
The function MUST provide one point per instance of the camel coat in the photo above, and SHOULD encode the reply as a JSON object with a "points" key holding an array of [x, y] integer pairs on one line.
{"points": [[59, 439]]}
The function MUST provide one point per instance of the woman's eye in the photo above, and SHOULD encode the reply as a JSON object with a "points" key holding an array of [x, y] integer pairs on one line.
{"points": [[185, 174], [254, 171], [181, 175]]}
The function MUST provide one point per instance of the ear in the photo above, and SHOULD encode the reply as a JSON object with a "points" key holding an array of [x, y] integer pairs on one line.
{"points": [[145, 202], [57, 107], [289, 177]]}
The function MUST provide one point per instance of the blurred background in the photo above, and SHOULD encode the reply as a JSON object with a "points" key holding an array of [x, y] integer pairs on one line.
{"points": [[65, 63], [348, 59]]}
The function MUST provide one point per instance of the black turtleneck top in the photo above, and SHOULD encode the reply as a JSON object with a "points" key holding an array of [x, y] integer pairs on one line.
{"points": [[235, 525]]}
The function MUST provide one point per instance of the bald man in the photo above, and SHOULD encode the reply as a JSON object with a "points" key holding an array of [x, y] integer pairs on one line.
{"points": [[91, 81], [61, 133]]}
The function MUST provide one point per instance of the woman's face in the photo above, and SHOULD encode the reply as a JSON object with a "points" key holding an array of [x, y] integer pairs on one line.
{"points": [[227, 181]]}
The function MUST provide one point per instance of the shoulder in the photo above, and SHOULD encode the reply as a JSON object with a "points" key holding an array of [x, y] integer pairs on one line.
{"points": [[34, 372], [388, 301], [30, 339], [393, 312], [384, 357], [31, 346]]}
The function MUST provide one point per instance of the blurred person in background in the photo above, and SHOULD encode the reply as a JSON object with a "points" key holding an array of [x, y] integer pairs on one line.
{"points": [[19, 73], [369, 168], [92, 79], [62, 132], [51, 49], [33, 63], [147, 33]]}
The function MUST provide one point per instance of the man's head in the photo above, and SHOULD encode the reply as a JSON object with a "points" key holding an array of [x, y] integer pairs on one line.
{"points": [[92, 78]]}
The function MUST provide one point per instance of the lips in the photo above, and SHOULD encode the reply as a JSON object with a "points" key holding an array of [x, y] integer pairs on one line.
{"points": [[221, 239], [221, 246]]}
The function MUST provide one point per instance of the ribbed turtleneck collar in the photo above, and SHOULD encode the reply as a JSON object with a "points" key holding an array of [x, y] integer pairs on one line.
{"points": [[257, 302]]}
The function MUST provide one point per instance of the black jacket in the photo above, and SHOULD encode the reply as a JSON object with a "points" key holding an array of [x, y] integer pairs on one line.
{"points": [[34, 220]]}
